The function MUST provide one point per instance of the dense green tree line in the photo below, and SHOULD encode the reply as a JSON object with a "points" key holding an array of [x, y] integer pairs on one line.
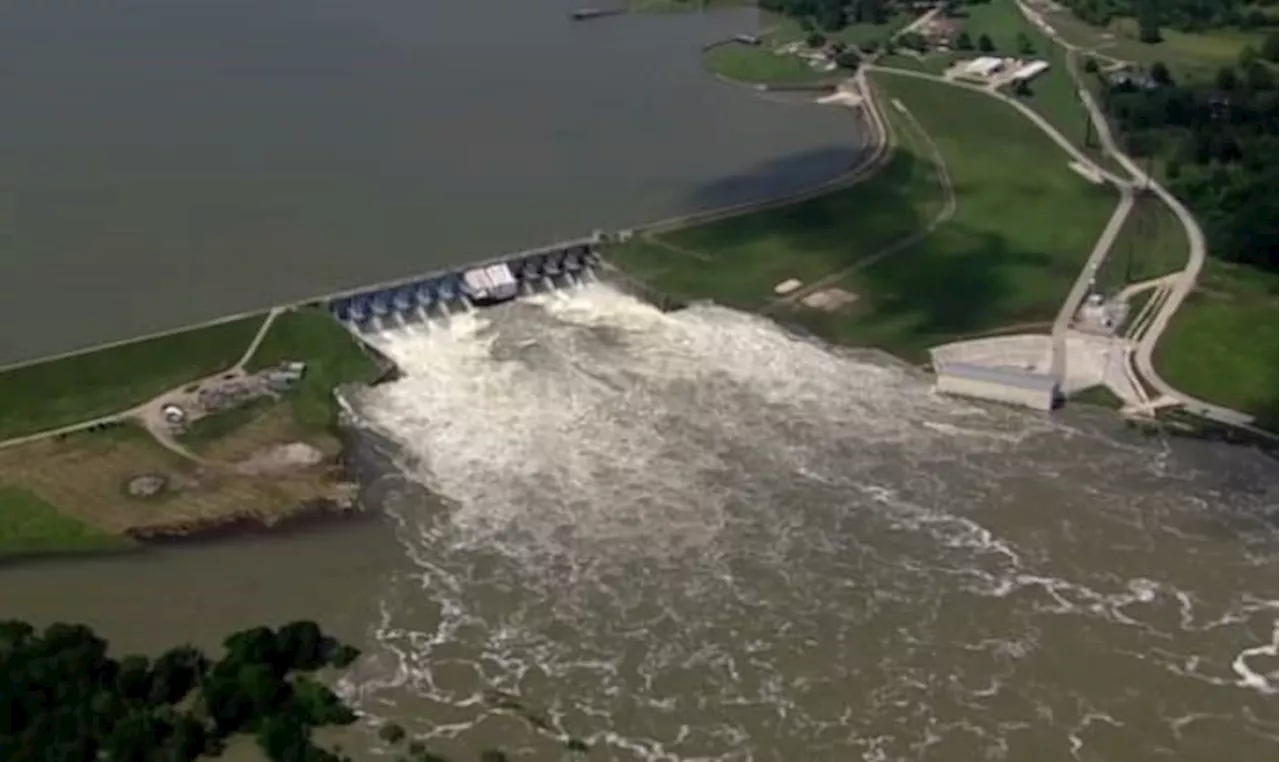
{"points": [[63, 698], [832, 15], [1183, 15], [1216, 140]]}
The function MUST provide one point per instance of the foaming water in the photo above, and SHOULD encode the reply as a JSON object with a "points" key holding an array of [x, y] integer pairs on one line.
{"points": [[694, 536]]}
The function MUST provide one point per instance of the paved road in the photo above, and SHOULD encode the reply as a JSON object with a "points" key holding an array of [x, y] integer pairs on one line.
{"points": [[1184, 282], [1080, 288]]}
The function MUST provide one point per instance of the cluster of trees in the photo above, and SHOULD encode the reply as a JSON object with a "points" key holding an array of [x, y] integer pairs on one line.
{"points": [[62, 697], [832, 15], [1183, 15], [1216, 140]]}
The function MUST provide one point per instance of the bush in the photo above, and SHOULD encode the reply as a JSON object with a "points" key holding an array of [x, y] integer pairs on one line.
{"points": [[815, 39]]}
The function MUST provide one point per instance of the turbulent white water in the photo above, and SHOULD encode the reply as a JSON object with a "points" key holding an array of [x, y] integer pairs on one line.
{"points": [[693, 536]]}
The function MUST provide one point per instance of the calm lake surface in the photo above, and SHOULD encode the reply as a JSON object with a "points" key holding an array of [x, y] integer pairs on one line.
{"points": [[167, 161]]}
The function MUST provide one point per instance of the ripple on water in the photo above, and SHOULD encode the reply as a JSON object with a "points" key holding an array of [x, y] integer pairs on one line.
{"points": [[695, 536]]}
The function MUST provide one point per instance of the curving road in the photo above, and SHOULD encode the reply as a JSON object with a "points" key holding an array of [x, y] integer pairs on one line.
{"points": [[1185, 280]]}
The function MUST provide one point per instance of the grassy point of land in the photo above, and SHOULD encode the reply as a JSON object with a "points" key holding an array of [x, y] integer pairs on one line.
{"points": [[762, 64], [29, 525], [1220, 344], [333, 357], [98, 383]]}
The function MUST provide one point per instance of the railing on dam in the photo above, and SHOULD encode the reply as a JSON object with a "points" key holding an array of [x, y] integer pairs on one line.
{"points": [[442, 293]]}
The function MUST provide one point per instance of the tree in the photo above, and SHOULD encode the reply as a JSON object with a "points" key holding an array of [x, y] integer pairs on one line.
{"points": [[1270, 47], [1025, 46], [63, 698], [1091, 65], [849, 60], [985, 44], [1022, 88], [1160, 74], [815, 40], [1226, 79], [1149, 31], [964, 41]]}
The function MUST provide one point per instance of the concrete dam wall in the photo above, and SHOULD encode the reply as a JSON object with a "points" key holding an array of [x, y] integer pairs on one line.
{"points": [[389, 305]]}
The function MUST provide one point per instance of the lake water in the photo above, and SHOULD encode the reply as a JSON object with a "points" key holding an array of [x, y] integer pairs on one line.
{"points": [[168, 161], [691, 536]]}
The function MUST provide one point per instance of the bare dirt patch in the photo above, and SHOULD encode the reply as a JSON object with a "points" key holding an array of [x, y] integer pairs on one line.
{"points": [[87, 477]]}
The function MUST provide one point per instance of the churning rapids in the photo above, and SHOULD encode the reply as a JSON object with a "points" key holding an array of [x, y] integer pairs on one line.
{"points": [[693, 536]]}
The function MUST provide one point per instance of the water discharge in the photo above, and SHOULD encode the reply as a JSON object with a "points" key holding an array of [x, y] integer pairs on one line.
{"points": [[694, 536]]}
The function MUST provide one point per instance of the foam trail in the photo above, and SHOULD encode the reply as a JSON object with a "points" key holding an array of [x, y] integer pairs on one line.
{"points": [[695, 536]]}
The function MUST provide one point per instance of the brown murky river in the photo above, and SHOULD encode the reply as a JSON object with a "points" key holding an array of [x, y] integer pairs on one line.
{"points": [[694, 537]]}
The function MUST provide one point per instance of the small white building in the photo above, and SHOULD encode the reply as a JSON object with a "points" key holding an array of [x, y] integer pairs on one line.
{"points": [[983, 67], [1030, 70]]}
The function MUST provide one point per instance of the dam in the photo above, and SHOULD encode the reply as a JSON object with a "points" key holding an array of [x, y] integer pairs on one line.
{"points": [[371, 309]]}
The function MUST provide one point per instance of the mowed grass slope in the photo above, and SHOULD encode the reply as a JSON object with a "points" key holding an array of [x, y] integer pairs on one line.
{"points": [[1025, 224], [30, 525], [739, 260], [1221, 344], [333, 357], [63, 392]]}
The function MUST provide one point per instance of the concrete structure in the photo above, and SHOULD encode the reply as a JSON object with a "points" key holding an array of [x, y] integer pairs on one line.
{"points": [[1037, 391], [983, 67], [1030, 71], [416, 299]]}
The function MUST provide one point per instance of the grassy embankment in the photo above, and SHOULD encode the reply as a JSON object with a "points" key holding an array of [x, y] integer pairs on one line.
{"points": [[1053, 94], [63, 392], [1008, 255], [762, 64], [68, 493], [1220, 346], [1152, 243]]}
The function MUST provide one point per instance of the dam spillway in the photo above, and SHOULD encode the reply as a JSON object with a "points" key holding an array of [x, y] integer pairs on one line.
{"points": [[418, 299]]}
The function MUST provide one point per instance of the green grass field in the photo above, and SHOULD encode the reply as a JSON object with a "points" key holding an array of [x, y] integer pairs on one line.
{"points": [[1151, 243], [1009, 255], [29, 525], [739, 260], [63, 392], [332, 355], [1053, 93], [1220, 346], [760, 64], [1181, 51]]}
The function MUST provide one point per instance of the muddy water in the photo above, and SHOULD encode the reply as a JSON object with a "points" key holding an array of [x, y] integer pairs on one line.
{"points": [[691, 536], [167, 161]]}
